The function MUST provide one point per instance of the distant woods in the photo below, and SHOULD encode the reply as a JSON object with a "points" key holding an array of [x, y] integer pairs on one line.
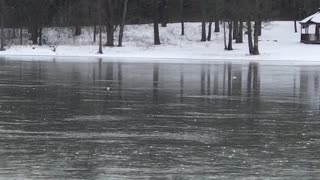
{"points": [[234, 17]]}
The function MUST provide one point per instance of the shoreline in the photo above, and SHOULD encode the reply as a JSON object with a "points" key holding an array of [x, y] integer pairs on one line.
{"points": [[161, 60]]}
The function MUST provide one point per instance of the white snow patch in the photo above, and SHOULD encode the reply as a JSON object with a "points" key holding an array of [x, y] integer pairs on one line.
{"points": [[278, 43]]}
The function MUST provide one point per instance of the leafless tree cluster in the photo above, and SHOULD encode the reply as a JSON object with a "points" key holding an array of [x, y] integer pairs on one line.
{"points": [[235, 17]]}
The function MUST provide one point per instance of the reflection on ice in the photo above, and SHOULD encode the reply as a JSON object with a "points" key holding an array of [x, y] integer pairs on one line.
{"points": [[158, 121]]}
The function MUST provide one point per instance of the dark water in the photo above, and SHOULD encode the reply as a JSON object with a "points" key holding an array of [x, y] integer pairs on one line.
{"points": [[158, 121]]}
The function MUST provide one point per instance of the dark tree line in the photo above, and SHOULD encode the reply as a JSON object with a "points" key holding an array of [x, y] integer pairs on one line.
{"points": [[237, 17]]}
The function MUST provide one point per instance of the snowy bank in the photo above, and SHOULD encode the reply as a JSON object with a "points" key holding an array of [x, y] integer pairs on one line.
{"points": [[278, 43]]}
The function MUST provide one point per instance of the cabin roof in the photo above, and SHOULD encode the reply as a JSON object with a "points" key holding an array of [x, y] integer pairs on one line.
{"points": [[313, 19]]}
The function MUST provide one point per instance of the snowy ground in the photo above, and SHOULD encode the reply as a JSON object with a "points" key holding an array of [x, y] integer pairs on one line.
{"points": [[278, 43]]}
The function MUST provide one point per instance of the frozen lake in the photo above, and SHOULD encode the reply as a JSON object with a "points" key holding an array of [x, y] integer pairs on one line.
{"points": [[158, 121]]}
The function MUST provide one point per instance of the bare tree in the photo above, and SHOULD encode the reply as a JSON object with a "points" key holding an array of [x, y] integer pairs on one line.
{"points": [[99, 14], [123, 19], [203, 20], [110, 23], [163, 12], [255, 50], [217, 14], [209, 31], [3, 9], [156, 23], [182, 17], [225, 35], [259, 10], [229, 15], [249, 33], [230, 27], [239, 38]]}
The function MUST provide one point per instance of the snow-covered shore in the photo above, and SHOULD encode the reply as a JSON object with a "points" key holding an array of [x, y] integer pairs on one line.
{"points": [[278, 43]]}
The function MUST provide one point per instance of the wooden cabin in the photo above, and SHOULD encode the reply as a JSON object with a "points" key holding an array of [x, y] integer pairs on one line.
{"points": [[310, 29]]}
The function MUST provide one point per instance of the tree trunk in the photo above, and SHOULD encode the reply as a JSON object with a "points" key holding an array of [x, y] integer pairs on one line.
{"points": [[21, 35], [239, 38], [124, 15], [250, 43], [95, 33], [182, 17], [2, 27], [216, 16], [295, 26], [225, 36], [110, 24], [110, 35], [257, 27], [230, 36], [163, 13], [235, 30], [203, 32], [182, 29], [77, 31], [100, 51], [40, 36], [34, 35], [216, 26], [204, 19], [156, 23], [100, 40], [209, 31]]}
